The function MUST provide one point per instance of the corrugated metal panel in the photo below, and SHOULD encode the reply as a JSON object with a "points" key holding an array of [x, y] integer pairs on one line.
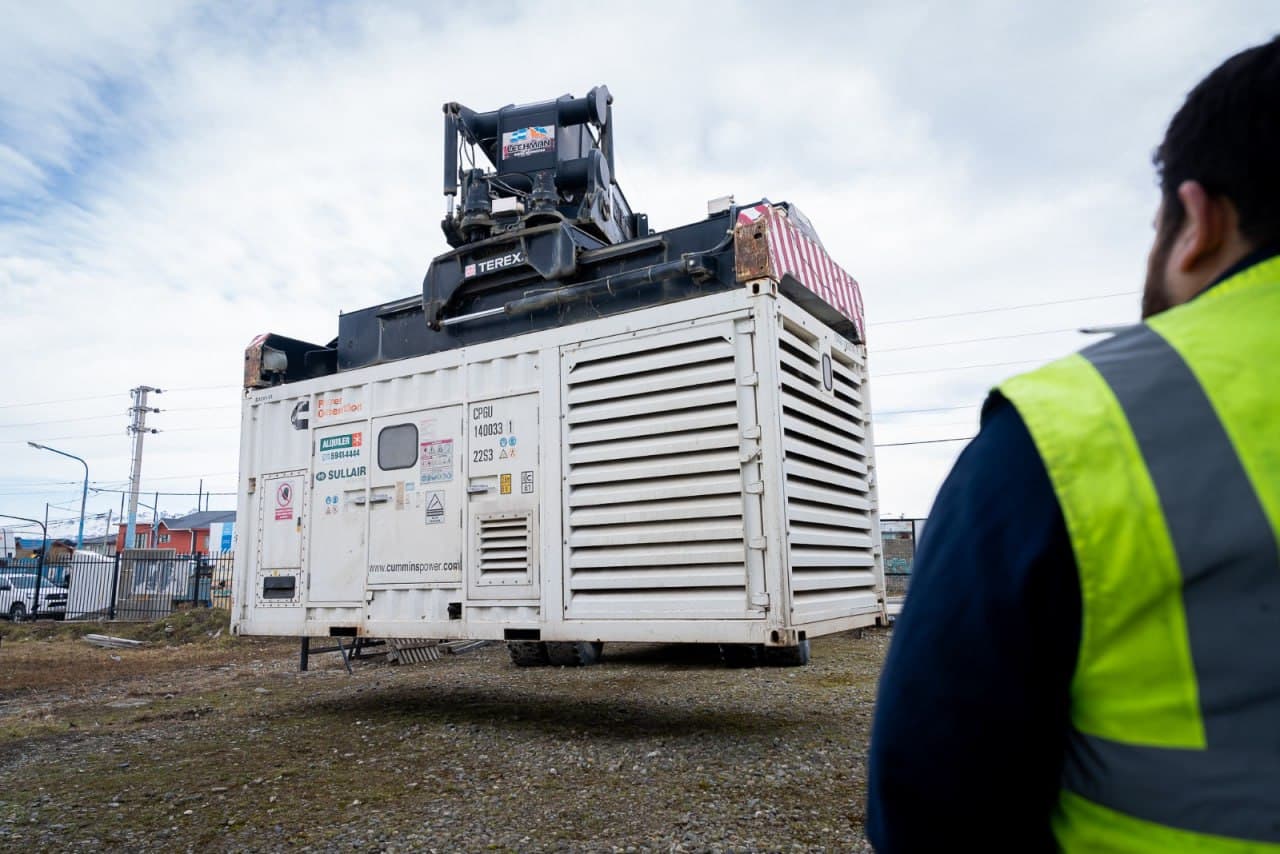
{"points": [[653, 478], [407, 393], [830, 537]]}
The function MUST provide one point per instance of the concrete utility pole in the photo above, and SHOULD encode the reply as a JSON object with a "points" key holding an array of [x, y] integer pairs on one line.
{"points": [[138, 428]]}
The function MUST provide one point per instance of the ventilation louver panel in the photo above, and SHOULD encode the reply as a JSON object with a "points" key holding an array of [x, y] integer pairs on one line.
{"points": [[829, 498], [653, 479], [505, 549]]}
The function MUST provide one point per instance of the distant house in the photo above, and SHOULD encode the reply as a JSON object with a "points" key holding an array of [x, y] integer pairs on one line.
{"points": [[103, 544], [59, 550], [188, 534]]}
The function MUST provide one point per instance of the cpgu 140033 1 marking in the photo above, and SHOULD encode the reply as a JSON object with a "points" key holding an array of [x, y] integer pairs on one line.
{"points": [[492, 265]]}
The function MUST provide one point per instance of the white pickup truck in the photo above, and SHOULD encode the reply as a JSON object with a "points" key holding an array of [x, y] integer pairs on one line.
{"points": [[18, 597]]}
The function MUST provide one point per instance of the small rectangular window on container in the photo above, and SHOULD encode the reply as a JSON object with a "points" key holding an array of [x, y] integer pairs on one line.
{"points": [[398, 447]]}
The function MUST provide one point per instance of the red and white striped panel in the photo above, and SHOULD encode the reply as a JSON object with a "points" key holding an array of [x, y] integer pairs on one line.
{"points": [[808, 263]]}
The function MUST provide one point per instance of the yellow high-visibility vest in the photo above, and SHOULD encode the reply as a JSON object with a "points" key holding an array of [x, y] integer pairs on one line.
{"points": [[1163, 447]]}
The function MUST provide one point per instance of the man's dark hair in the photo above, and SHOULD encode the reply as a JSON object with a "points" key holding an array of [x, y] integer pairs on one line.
{"points": [[1227, 136]]}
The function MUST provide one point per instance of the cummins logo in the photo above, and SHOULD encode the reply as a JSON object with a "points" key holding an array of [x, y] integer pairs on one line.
{"points": [[491, 265], [298, 418]]}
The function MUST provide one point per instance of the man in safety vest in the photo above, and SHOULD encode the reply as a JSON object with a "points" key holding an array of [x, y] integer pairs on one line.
{"points": [[1089, 657]]}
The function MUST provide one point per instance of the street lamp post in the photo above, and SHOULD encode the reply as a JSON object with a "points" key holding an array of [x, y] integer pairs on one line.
{"points": [[84, 493]]}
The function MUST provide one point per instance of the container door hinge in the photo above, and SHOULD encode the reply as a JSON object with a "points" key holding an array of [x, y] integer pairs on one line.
{"points": [[748, 453], [755, 488], [749, 379], [751, 432], [760, 600], [757, 543]]}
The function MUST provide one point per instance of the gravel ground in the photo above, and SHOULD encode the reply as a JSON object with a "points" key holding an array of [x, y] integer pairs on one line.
{"points": [[222, 745]]}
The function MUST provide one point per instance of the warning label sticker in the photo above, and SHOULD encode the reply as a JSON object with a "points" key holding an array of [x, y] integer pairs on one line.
{"points": [[504, 484], [435, 508], [284, 502], [437, 461], [526, 482]]}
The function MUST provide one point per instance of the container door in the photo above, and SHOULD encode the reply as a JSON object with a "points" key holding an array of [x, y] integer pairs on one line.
{"points": [[282, 495], [503, 483], [337, 550], [416, 498]]}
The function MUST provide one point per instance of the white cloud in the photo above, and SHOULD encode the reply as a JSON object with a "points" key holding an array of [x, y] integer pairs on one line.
{"points": [[189, 176]]}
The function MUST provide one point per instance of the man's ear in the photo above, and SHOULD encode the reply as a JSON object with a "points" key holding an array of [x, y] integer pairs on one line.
{"points": [[1204, 228]]}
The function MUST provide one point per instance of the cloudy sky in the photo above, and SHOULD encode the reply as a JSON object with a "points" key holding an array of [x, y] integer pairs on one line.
{"points": [[177, 178]]}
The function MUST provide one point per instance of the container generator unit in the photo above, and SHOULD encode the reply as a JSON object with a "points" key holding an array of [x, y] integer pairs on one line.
{"points": [[581, 431]]}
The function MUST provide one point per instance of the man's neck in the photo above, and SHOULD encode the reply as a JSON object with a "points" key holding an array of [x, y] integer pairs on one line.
{"points": [[1249, 259]]}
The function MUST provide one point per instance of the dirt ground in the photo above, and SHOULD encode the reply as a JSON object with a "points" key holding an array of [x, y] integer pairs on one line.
{"points": [[197, 742]]}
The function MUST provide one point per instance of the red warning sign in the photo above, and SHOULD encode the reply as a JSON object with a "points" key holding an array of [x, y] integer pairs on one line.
{"points": [[284, 502]]}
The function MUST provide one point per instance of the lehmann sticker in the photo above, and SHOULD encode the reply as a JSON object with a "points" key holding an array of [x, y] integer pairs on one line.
{"points": [[528, 141]]}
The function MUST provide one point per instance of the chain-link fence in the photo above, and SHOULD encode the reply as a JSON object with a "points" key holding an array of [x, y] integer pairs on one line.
{"points": [[137, 584], [899, 537]]}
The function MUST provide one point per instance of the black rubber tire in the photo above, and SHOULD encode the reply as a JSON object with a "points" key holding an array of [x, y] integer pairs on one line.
{"points": [[18, 612], [740, 654], [574, 653], [527, 653], [787, 656]]}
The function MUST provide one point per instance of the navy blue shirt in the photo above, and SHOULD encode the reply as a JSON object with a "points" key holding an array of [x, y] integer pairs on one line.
{"points": [[972, 716]]}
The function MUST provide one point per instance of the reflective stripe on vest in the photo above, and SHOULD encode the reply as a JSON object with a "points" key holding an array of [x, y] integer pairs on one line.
{"points": [[1230, 566], [1177, 697]]}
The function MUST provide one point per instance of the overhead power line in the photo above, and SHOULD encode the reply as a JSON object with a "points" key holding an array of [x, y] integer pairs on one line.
{"points": [[60, 438], [59, 521], [995, 309], [18, 481], [929, 409], [929, 425], [64, 400], [113, 416], [117, 396], [194, 476], [110, 435], [922, 442], [199, 429], [979, 340], [965, 367], [200, 388], [162, 492]]}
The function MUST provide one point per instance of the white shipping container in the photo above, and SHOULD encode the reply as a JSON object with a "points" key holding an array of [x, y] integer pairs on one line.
{"points": [[702, 471]]}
